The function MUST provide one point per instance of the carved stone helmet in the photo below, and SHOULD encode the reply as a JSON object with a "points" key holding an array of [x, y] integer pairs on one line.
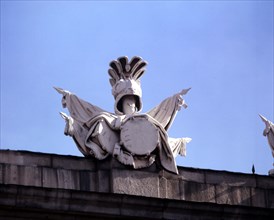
{"points": [[125, 80]]}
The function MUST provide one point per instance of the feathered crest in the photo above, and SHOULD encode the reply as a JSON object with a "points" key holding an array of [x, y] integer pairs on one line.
{"points": [[122, 69]]}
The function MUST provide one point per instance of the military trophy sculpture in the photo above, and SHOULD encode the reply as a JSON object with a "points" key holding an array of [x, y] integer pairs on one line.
{"points": [[269, 133], [135, 139]]}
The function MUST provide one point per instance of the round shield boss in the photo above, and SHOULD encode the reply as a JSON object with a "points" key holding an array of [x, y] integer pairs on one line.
{"points": [[139, 136]]}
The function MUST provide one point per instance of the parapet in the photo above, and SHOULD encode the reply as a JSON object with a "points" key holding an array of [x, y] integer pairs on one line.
{"points": [[109, 177]]}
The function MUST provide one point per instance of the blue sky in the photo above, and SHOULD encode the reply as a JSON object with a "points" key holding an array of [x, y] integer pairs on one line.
{"points": [[222, 49]]}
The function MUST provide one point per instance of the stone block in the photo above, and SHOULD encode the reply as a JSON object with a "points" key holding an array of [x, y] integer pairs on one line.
{"points": [[49, 177], [30, 176], [169, 185], [233, 195], [68, 179], [88, 181], [23, 175], [153, 168], [84, 174], [197, 192], [194, 175], [24, 158], [135, 183], [163, 187], [1, 174], [270, 199], [108, 164], [173, 189], [230, 179], [265, 182], [73, 163], [11, 174], [104, 181], [258, 198]]}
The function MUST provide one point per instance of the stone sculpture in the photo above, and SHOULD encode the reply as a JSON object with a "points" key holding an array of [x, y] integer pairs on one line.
{"points": [[269, 133], [133, 138]]}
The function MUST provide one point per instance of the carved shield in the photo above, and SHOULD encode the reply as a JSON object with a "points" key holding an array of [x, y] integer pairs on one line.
{"points": [[139, 136]]}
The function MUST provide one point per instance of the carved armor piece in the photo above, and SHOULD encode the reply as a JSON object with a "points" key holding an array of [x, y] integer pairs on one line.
{"points": [[139, 136]]}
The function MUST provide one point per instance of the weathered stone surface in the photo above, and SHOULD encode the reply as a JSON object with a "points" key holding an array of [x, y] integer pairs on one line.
{"points": [[197, 192], [162, 187], [108, 164], [30, 176], [68, 179], [44, 203], [230, 179], [1, 174], [258, 197], [149, 208], [88, 181], [112, 177], [270, 200], [27, 202], [45, 198], [25, 158], [94, 203], [23, 175], [173, 189], [266, 182], [195, 175], [73, 163], [104, 184], [49, 177], [174, 210], [8, 195], [233, 195], [11, 174], [135, 183]]}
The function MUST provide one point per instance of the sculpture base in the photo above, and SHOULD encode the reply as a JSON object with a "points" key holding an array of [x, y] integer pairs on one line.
{"points": [[271, 172], [107, 177]]}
